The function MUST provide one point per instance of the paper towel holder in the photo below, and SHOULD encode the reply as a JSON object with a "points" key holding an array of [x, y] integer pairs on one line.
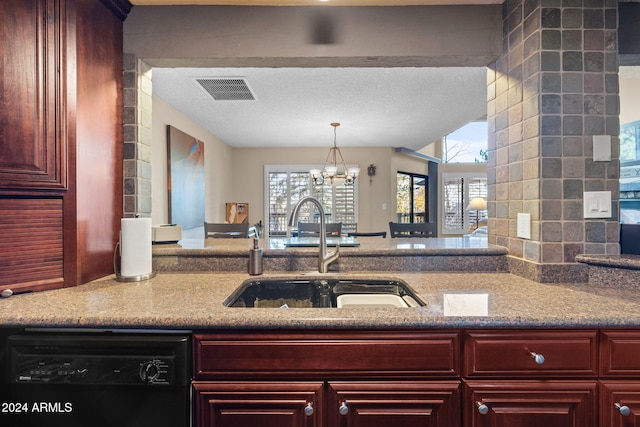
{"points": [[121, 278]]}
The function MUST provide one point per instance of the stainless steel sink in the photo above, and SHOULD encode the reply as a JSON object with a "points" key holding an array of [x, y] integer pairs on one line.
{"points": [[323, 293]]}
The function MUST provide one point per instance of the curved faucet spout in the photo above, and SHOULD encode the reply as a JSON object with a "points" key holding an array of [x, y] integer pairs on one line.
{"points": [[324, 258]]}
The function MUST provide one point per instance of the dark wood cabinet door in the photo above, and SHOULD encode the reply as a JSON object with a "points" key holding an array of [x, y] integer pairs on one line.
{"points": [[266, 404], [620, 403], [530, 403], [32, 95], [619, 354], [394, 404]]}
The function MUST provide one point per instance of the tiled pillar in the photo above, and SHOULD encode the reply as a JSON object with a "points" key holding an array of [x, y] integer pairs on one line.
{"points": [[554, 87], [137, 137]]}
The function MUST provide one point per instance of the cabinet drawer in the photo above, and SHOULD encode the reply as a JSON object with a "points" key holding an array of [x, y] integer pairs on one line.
{"points": [[619, 354], [342, 353], [513, 353]]}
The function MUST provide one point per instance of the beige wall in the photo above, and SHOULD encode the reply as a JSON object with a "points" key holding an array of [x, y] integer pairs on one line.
{"points": [[218, 164], [237, 174], [375, 197], [630, 96]]}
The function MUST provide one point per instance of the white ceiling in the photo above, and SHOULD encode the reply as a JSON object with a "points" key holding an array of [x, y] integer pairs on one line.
{"points": [[398, 107]]}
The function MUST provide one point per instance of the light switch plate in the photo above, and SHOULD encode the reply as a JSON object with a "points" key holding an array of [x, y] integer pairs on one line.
{"points": [[524, 226], [601, 148], [597, 204]]}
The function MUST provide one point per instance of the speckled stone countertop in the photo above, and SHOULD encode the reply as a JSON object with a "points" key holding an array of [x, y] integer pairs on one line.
{"points": [[374, 246], [195, 301], [371, 254], [631, 262]]}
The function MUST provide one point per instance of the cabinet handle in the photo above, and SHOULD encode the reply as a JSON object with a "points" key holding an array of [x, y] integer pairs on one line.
{"points": [[623, 409], [537, 357], [344, 408], [308, 410], [482, 408]]}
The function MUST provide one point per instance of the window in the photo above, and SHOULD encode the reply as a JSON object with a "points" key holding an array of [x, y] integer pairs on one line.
{"points": [[630, 142], [412, 197], [457, 192], [630, 173], [468, 144], [286, 185]]}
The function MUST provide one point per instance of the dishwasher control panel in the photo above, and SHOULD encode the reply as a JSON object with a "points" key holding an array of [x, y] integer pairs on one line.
{"points": [[92, 370], [108, 360]]}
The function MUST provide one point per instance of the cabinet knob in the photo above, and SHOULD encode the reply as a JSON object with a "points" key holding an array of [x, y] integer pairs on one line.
{"points": [[537, 357], [343, 409], [308, 410], [623, 409], [482, 408]]}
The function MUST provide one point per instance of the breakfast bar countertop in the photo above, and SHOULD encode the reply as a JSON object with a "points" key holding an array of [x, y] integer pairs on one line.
{"points": [[195, 301]]}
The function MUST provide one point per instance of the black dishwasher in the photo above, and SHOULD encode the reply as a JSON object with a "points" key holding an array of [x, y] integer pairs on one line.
{"points": [[98, 379]]}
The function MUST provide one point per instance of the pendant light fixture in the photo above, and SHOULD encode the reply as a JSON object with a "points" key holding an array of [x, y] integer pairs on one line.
{"points": [[334, 170]]}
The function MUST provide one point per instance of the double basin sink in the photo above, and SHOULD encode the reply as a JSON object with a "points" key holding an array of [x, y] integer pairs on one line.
{"points": [[323, 293]]}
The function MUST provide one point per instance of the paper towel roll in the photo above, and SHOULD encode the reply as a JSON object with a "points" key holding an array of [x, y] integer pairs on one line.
{"points": [[135, 246]]}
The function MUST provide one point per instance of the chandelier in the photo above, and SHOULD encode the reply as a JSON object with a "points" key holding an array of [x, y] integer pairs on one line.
{"points": [[332, 169]]}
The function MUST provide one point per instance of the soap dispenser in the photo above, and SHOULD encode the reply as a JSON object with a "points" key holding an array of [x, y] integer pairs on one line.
{"points": [[255, 258]]}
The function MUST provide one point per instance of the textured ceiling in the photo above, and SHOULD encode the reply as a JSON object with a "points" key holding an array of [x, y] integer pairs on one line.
{"points": [[398, 107]]}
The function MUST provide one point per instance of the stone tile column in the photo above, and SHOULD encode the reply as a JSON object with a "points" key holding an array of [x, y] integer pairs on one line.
{"points": [[554, 87], [137, 137]]}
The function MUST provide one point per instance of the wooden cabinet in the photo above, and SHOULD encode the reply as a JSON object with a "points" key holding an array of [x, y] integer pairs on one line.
{"points": [[32, 133], [264, 404], [529, 403], [327, 379], [620, 403], [388, 378], [61, 141], [393, 403], [500, 367], [530, 354], [322, 354], [620, 378]]}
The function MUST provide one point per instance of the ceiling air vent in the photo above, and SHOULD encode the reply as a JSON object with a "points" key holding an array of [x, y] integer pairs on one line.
{"points": [[227, 88]]}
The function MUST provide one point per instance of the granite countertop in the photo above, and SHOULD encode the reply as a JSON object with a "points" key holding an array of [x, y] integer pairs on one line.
{"points": [[195, 301], [375, 246]]}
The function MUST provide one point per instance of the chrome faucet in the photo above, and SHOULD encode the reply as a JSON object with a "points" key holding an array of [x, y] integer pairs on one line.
{"points": [[324, 259]]}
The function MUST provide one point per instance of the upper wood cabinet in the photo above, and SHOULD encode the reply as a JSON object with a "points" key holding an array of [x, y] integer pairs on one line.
{"points": [[33, 96], [61, 140]]}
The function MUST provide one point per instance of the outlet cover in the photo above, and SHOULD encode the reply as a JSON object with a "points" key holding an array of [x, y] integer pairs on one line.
{"points": [[597, 204], [524, 226], [601, 148]]}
